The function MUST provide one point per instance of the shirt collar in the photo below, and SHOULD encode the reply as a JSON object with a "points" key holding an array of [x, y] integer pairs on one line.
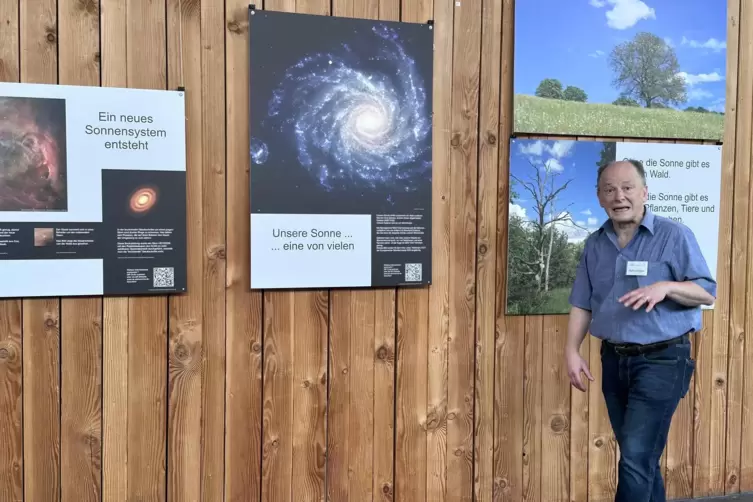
{"points": [[647, 222]]}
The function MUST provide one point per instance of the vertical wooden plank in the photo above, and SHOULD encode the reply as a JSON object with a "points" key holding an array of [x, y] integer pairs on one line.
{"points": [[744, 162], [11, 348], [385, 307], [186, 350], [602, 456], [532, 396], [509, 357], [486, 249], [11, 386], [702, 407], [412, 422], [717, 416], [113, 20], [41, 373], [435, 461], [579, 440], [310, 372], [310, 396], [350, 418], [213, 234], [739, 257], [278, 411], [463, 177], [147, 347], [555, 413], [81, 355], [295, 376], [41, 317], [243, 307], [342, 326], [384, 395]]}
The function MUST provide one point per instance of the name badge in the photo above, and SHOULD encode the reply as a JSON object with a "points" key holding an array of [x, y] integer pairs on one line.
{"points": [[637, 268]]}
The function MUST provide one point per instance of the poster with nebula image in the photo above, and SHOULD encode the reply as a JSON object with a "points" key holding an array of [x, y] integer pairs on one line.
{"points": [[92, 191], [341, 151]]}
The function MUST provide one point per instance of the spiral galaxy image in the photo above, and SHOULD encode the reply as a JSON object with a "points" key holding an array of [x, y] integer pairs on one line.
{"points": [[351, 108], [142, 200], [32, 154]]}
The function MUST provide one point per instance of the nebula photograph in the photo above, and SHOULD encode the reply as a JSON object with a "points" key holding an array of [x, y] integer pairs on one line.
{"points": [[341, 116], [32, 154]]}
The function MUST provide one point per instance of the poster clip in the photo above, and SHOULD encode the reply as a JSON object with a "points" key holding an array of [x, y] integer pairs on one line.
{"points": [[181, 89], [252, 6], [430, 22]]}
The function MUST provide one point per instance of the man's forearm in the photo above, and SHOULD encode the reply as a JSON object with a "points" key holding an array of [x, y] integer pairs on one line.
{"points": [[577, 327], [688, 294]]}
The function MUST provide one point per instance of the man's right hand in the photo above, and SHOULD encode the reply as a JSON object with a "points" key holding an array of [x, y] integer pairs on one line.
{"points": [[575, 366]]}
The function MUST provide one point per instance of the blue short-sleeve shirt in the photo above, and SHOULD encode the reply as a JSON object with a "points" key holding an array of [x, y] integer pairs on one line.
{"points": [[672, 253]]}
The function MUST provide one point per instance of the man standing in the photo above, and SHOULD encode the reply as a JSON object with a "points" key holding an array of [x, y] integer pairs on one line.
{"points": [[639, 286]]}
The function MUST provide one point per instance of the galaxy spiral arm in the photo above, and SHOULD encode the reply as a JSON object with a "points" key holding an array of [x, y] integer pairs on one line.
{"points": [[357, 119]]}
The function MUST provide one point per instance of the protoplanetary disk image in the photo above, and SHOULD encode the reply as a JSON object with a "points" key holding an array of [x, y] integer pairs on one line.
{"points": [[142, 200], [32, 154]]}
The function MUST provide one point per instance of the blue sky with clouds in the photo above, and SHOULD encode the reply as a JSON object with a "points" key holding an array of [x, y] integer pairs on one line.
{"points": [[565, 160], [571, 39]]}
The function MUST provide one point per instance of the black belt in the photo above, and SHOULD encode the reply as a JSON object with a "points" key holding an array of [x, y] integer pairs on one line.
{"points": [[636, 349]]}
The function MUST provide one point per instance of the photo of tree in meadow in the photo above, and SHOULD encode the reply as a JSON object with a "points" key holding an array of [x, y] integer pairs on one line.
{"points": [[621, 68], [553, 209]]}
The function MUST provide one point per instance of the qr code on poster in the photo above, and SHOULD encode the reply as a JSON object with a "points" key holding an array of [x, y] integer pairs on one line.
{"points": [[164, 277], [412, 272]]}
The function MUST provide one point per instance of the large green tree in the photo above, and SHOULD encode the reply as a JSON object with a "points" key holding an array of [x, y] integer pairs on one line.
{"points": [[646, 69]]}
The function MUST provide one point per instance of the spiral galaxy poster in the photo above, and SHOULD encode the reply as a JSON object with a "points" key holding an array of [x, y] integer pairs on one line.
{"points": [[340, 151], [92, 191]]}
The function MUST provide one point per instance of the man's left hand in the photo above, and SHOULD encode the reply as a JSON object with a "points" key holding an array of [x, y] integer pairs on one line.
{"points": [[649, 296]]}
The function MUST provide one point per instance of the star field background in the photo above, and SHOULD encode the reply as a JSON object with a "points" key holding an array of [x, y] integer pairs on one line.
{"points": [[341, 115]]}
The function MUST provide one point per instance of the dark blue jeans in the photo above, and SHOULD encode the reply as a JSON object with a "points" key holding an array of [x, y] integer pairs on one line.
{"points": [[642, 393]]}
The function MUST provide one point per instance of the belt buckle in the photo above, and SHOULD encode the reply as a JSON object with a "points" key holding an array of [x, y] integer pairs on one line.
{"points": [[626, 350]]}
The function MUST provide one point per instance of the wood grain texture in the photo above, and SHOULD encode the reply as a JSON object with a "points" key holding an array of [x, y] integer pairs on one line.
{"points": [[11, 345], [115, 316], [186, 350], [243, 377], [81, 343], [41, 317], [146, 58], [410, 395]]}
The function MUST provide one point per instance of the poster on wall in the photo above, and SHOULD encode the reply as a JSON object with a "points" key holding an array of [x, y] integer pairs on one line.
{"points": [[92, 191], [554, 207], [621, 68], [340, 151]]}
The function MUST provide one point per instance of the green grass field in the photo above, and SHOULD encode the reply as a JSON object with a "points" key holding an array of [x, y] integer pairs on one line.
{"points": [[553, 302], [536, 115]]}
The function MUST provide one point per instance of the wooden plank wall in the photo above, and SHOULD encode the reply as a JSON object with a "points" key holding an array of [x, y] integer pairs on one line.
{"points": [[376, 395]]}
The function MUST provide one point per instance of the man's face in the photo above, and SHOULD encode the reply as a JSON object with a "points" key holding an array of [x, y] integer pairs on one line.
{"points": [[622, 193]]}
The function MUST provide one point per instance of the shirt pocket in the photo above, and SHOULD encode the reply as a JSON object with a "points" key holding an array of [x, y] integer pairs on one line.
{"points": [[658, 271]]}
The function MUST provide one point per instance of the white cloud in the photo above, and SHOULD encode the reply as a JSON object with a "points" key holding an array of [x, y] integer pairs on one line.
{"points": [[596, 54], [575, 230], [554, 165], [699, 94], [700, 78], [625, 14], [519, 211], [587, 212], [554, 151], [711, 44]]}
